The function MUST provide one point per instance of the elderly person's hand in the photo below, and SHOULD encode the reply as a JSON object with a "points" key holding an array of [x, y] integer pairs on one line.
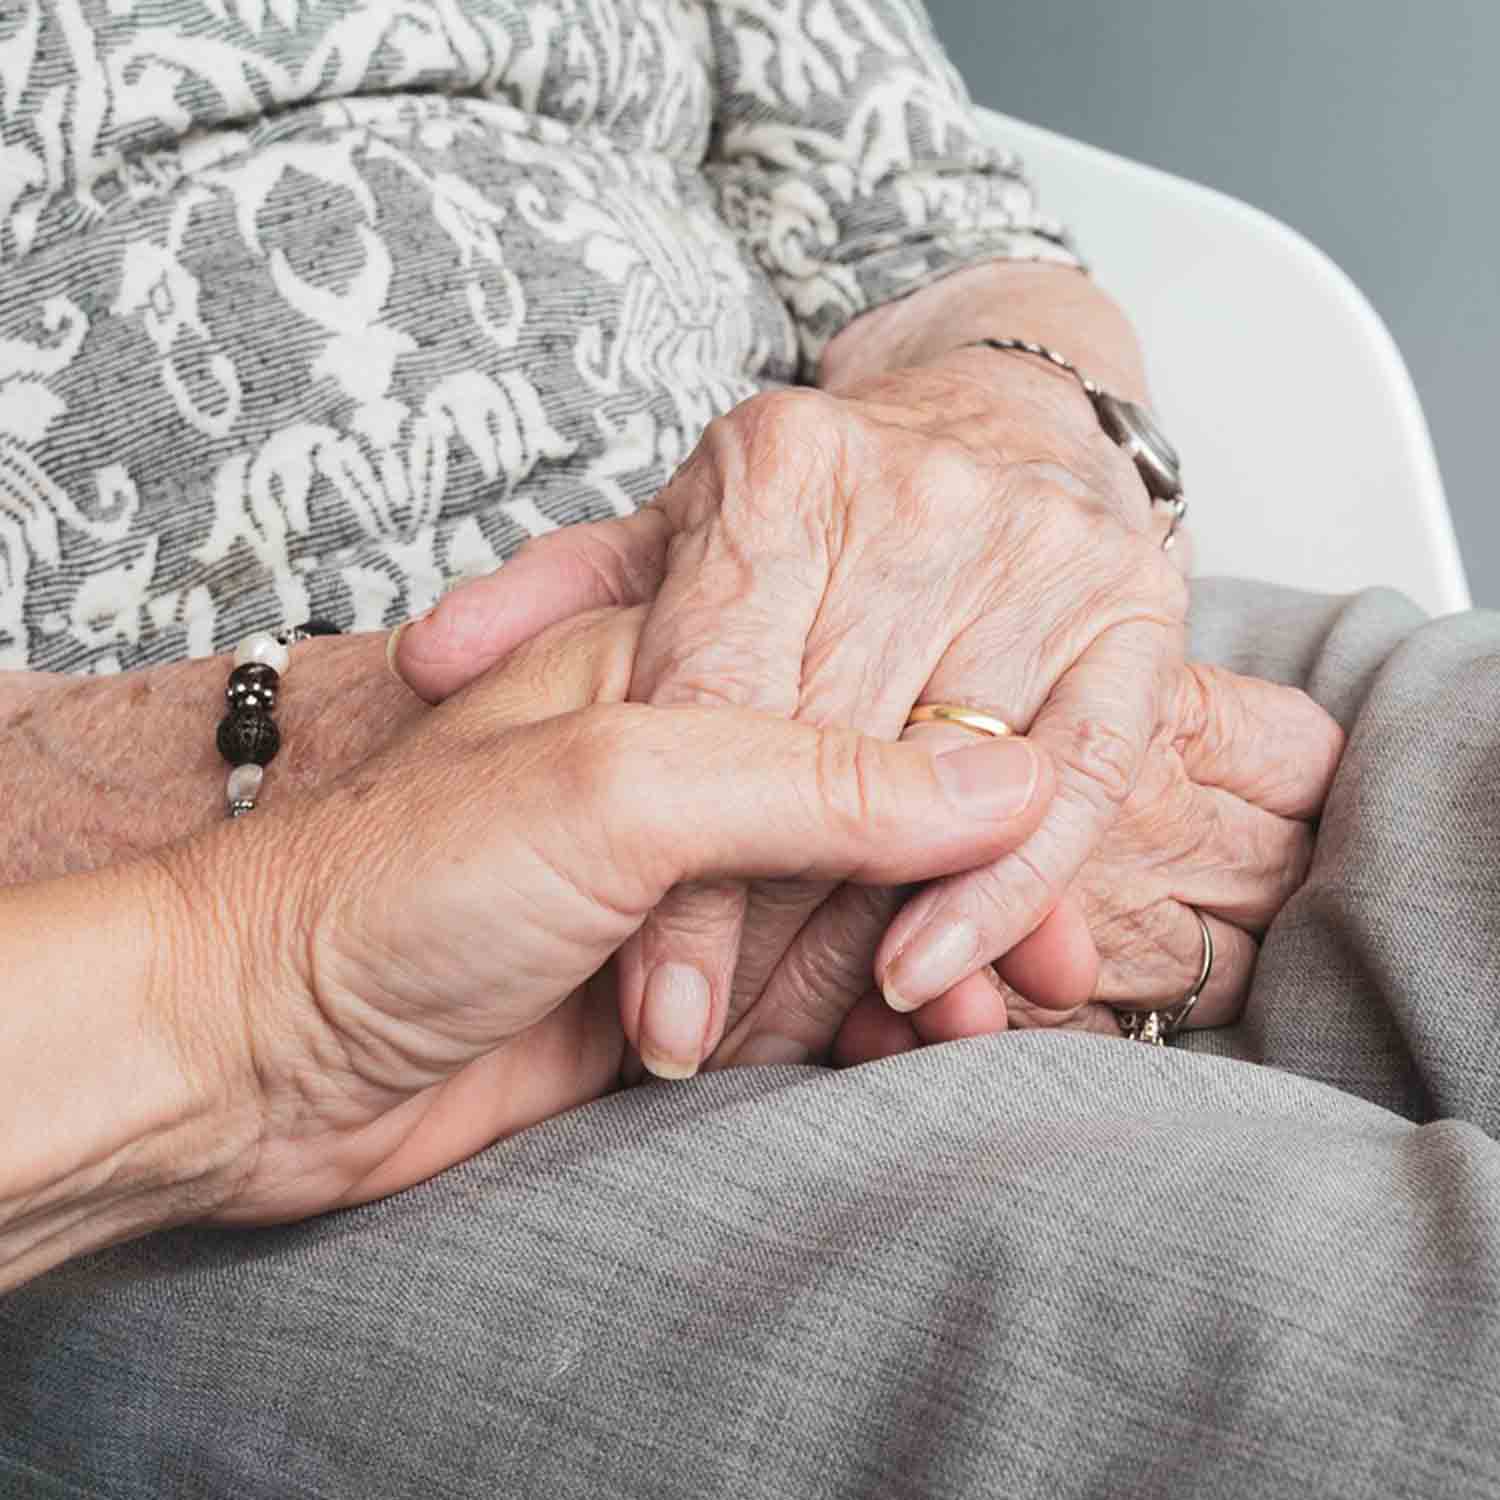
{"points": [[337, 997], [959, 530], [1220, 823]]}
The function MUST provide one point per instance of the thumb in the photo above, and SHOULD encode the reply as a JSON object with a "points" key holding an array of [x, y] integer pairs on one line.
{"points": [[662, 796], [553, 578]]}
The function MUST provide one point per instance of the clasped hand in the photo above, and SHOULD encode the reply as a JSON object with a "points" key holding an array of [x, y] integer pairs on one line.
{"points": [[422, 950], [838, 560], [416, 948]]}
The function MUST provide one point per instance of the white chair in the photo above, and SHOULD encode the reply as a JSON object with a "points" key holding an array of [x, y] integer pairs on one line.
{"points": [[1306, 457]]}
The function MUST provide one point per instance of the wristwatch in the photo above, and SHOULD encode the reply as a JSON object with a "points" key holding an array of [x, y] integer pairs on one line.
{"points": [[1127, 423]]}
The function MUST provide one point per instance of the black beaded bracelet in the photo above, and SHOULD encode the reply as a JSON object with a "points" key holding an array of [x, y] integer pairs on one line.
{"points": [[248, 737]]}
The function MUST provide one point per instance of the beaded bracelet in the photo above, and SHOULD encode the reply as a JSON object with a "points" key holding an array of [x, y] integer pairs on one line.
{"points": [[248, 737]]}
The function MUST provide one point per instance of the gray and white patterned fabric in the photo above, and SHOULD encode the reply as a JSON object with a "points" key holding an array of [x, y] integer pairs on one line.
{"points": [[307, 306]]}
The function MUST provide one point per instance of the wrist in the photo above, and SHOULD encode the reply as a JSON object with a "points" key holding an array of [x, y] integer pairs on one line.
{"points": [[104, 770], [1051, 305], [129, 1098], [1016, 411]]}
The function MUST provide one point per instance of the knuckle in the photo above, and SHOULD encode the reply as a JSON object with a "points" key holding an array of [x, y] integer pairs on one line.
{"points": [[832, 965], [688, 688], [788, 415], [778, 460], [700, 916], [722, 676], [608, 563], [616, 638], [785, 905], [1131, 566], [775, 429], [1101, 760], [1019, 883], [822, 986], [847, 780], [1198, 700], [1074, 525], [1169, 584]]}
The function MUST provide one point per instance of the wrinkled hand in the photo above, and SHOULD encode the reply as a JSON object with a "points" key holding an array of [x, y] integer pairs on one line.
{"points": [[1220, 821], [838, 559], [414, 945]]}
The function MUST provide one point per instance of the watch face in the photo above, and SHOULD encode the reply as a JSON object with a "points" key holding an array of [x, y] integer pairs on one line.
{"points": [[1135, 430], [1154, 437]]}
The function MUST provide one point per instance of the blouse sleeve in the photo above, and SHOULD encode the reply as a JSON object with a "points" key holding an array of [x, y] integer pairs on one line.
{"points": [[850, 162]]}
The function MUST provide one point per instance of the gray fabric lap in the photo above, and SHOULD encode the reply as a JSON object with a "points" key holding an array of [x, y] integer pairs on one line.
{"points": [[1029, 1264], [1382, 975]]}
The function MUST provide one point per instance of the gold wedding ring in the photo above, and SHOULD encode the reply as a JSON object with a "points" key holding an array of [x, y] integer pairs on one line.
{"points": [[960, 713]]}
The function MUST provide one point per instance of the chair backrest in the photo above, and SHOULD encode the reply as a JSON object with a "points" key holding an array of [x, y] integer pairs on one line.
{"points": [[1305, 453]]}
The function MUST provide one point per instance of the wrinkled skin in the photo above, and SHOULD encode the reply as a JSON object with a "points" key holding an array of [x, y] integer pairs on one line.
{"points": [[839, 559], [1219, 819], [412, 946]]}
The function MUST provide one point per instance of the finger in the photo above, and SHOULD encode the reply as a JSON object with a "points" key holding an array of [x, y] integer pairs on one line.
{"points": [[820, 978], [810, 954], [569, 666], [1268, 744], [777, 915], [589, 819], [1245, 863], [1058, 964], [550, 579], [828, 971], [973, 1007], [871, 1031], [717, 794], [1160, 964], [1097, 727], [716, 635], [676, 975], [1054, 964]]}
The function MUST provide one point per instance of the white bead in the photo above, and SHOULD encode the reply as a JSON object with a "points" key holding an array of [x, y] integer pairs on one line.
{"points": [[265, 648], [244, 783]]}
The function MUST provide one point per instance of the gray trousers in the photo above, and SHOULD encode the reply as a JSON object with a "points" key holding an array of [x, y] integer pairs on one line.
{"points": [[1264, 1265]]}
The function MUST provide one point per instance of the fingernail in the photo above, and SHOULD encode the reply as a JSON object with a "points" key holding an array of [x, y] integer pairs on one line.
{"points": [[392, 645], [769, 1052], [990, 779], [674, 1018], [931, 964]]}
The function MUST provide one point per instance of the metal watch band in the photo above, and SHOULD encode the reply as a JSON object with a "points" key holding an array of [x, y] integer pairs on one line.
{"points": [[1125, 423]]}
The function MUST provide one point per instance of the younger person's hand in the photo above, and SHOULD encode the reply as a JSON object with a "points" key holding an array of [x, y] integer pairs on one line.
{"points": [[412, 949]]}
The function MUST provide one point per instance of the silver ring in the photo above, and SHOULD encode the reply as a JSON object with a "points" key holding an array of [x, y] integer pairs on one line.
{"points": [[1157, 1027]]}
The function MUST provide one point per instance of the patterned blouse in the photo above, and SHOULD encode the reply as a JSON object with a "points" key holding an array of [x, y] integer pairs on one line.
{"points": [[307, 306]]}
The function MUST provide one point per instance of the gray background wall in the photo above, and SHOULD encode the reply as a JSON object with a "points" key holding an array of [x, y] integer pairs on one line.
{"points": [[1373, 126]]}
